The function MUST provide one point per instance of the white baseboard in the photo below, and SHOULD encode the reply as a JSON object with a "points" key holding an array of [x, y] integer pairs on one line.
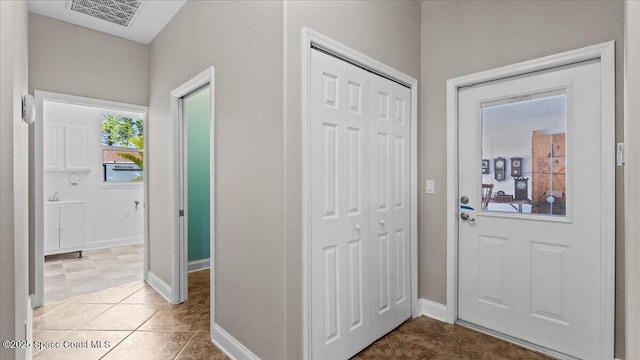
{"points": [[198, 265], [433, 310], [229, 345], [29, 329], [160, 286], [103, 244]]}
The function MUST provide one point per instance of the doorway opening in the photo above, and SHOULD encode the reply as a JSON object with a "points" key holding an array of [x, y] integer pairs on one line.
{"points": [[193, 144], [90, 195]]}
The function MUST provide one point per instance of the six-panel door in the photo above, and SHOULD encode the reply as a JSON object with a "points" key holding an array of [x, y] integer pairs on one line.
{"points": [[359, 176]]}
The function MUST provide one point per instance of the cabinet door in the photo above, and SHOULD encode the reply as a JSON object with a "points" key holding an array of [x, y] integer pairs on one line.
{"points": [[77, 148], [72, 227], [51, 228], [52, 147]]}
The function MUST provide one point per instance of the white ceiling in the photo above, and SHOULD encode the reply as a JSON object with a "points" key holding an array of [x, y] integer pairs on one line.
{"points": [[150, 19]]}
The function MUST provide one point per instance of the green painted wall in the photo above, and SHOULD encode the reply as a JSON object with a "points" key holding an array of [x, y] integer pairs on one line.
{"points": [[198, 108]]}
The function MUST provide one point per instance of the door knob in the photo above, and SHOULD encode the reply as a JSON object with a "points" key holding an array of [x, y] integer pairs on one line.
{"points": [[465, 216], [381, 222], [357, 227]]}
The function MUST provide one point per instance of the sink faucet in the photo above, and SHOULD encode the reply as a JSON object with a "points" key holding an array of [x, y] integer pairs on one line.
{"points": [[54, 197]]}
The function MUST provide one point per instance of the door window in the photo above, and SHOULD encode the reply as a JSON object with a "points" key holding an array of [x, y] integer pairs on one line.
{"points": [[523, 154]]}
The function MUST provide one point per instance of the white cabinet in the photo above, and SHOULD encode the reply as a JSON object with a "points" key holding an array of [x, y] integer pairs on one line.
{"points": [[66, 147], [53, 151], [64, 227]]}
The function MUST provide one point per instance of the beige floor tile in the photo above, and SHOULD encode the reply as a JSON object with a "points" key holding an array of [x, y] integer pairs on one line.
{"points": [[77, 265], [49, 335], [69, 316], [53, 266], [86, 280], [107, 262], [122, 317], [82, 274], [57, 295], [55, 285], [150, 345], [109, 296], [53, 278], [124, 280], [93, 287], [41, 310], [83, 345], [146, 295]]}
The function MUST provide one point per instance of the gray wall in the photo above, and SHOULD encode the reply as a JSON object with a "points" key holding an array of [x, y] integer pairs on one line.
{"points": [[243, 40], [388, 31], [464, 37], [632, 176], [74, 60], [14, 216]]}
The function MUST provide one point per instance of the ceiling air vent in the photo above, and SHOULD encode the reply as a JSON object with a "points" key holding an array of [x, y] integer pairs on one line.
{"points": [[120, 12]]}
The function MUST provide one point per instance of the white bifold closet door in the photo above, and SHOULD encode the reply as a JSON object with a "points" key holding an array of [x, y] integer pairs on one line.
{"points": [[360, 206]]}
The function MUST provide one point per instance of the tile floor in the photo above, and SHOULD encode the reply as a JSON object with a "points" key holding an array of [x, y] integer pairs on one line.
{"points": [[138, 323], [66, 275], [130, 321]]}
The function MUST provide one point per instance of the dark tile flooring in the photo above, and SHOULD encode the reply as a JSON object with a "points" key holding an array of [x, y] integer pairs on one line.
{"points": [[139, 324], [426, 338]]}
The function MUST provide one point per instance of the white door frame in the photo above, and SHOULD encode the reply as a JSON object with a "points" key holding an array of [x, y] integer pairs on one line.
{"points": [[606, 53], [37, 299], [179, 251], [309, 38]]}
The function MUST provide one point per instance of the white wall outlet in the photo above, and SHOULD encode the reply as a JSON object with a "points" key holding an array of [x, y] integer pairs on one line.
{"points": [[73, 179], [430, 187]]}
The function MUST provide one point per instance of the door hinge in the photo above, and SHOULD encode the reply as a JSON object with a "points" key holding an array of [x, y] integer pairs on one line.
{"points": [[620, 154], [180, 212]]}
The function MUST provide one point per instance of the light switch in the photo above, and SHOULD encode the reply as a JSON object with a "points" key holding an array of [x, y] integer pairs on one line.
{"points": [[430, 187]]}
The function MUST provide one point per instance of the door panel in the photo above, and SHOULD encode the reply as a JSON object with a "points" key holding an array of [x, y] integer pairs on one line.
{"points": [[72, 226], [390, 130], [359, 175], [339, 215], [528, 268], [51, 228]]}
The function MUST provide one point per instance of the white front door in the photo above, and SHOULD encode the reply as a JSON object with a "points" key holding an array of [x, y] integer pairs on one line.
{"points": [[529, 262], [359, 207]]}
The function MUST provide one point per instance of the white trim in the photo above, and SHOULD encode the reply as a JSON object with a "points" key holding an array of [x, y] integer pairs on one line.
{"points": [[29, 328], [311, 37], [38, 174], [103, 244], [198, 265], [433, 310], [160, 286], [178, 247], [606, 53], [229, 345]]}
